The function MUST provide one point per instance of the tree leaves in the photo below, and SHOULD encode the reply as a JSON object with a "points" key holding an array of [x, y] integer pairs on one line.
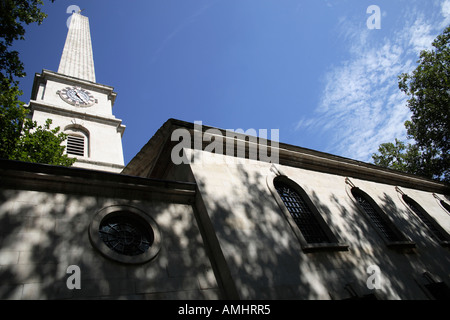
{"points": [[428, 88], [21, 138], [13, 14], [42, 144]]}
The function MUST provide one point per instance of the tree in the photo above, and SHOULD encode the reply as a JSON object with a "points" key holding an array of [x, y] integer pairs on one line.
{"points": [[21, 138], [404, 157], [13, 13], [12, 116], [42, 145], [428, 89], [396, 156]]}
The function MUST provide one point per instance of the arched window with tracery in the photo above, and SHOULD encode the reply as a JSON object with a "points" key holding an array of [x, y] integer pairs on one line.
{"points": [[305, 220], [436, 230], [301, 213], [380, 221]]}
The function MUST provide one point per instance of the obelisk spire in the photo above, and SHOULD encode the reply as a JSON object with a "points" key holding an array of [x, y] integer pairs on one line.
{"points": [[77, 59]]}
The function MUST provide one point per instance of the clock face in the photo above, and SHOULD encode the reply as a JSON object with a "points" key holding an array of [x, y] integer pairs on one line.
{"points": [[77, 96]]}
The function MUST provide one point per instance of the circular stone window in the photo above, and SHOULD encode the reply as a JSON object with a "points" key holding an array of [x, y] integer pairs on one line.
{"points": [[125, 234]]}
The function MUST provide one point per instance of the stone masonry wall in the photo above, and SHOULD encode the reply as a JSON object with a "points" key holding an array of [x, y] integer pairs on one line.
{"points": [[43, 233], [265, 258]]}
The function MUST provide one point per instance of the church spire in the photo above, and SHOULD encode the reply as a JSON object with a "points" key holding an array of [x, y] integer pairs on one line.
{"points": [[77, 59]]}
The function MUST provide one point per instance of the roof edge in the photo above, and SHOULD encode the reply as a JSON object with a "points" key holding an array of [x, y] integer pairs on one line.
{"points": [[289, 155]]}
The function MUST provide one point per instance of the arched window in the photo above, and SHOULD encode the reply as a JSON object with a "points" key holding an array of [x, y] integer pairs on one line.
{"points": [[445, 205], [304, 218], [431, 224], [301, 213], [380, 220], [442, 203], [77, 141]]}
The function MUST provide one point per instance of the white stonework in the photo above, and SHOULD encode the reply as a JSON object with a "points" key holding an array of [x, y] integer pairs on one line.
{"points": [[45, 214], [224, 234], [94, 122], [258, 253], [77, 58]]}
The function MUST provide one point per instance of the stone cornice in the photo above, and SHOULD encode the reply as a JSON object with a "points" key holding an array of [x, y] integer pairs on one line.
{"points": [[50, 108], [48, 178], [50, 75], [100, 163], [147, 159]]}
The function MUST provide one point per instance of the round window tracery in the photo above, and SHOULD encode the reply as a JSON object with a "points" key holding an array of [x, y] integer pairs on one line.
{"points": [[125, 234]]}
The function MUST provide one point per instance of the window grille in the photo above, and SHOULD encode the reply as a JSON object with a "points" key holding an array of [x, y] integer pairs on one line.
{"points": [[75, 145], [126, 235], [302, 214], [424, 217], [375, 216]]}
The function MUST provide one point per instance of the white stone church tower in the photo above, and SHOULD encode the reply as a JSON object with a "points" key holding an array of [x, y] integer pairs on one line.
{"points": [[79, 105]]}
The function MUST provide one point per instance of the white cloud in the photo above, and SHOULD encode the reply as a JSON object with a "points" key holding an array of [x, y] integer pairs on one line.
{"points": [[445, 11], [361, 105], [420, 36]]}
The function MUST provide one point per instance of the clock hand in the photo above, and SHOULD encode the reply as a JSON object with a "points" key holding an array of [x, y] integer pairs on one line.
{"points": [[81, 98]]}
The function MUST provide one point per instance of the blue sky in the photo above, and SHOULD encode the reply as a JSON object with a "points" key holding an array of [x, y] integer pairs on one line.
{"points": [[310, 68]]}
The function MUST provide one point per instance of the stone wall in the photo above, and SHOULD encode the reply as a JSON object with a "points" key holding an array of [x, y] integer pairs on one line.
{"points": [[266, 260], [45, 214]]}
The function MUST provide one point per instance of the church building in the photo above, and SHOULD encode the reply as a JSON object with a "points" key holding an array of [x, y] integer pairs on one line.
{"points": [[205, 213]]}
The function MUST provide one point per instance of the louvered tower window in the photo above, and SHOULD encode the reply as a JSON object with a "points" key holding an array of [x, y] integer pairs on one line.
{"points": [[426, 219], [76, 145], [376, 216], [302, 214]]}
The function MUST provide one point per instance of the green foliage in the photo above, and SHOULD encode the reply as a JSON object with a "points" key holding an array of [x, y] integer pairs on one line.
{"points": [[12, 115], [392, 156], [428, 89], [21, 138], [405, 158], [42, 145], [13, 14]]}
